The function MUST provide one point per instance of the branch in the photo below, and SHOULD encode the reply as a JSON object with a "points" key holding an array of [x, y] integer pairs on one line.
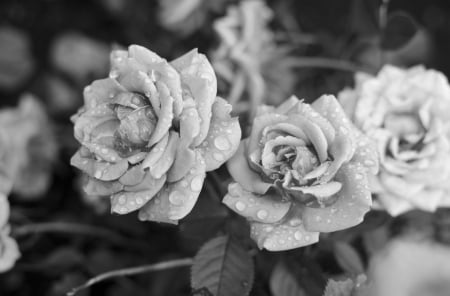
{"points": [[132, 271]]}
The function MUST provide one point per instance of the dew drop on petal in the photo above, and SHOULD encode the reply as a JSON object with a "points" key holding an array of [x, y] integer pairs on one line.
{"points": [[298, 235], [222, 143], [122, 199], [197, 183], [262, 214], [176, 198], [240, 206], [318, 218], [98, 174], [218, 156], [295, 222]]}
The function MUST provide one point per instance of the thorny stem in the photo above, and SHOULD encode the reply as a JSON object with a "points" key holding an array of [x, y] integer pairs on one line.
{"points": [[132, 271], [73, 228]]}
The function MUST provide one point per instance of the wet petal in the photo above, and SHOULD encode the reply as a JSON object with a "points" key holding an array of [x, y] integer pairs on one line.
{"points": [[223, 136], [198, 75], [288, 106], [87, 121], [135, 197], [100, 92], [98, 187], [99, 169], [165, 116], [184, 160], [177, 199], [156, 152], [306, 111], [320, 191], [241, 172], [4, 210], [260, 208], [167, 158], [133, 176], [366, 153], [282, 237], [352, 202]]}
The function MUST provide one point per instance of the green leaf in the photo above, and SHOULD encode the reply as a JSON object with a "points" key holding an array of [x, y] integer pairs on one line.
{"points": [[283, 283], [224, 267], [348, 258]]}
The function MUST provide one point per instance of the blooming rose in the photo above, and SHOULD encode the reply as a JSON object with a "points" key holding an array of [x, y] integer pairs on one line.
{"points": [[27, 149], [406, 113], [9, 251], [151, 130], [302, 171]]}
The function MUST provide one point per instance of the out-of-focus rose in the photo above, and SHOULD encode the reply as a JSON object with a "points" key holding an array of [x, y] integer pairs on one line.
{"points": [[9, 251], [186, 16], [15, 58], [255, 69], [410, 268], [151, 130], [80, 57], [407, 113], [27, 149], [302, 171]]}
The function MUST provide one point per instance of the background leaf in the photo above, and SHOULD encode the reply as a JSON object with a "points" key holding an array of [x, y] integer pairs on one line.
{"points": [[348, 258], [224, 267], [283, 283]]}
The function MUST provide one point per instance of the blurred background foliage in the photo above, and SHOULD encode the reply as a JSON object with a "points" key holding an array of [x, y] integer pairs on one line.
{"points": [[53, 49]]}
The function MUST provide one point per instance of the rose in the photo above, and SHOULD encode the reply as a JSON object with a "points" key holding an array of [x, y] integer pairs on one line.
{"points": [[9, 251], [151, 130], [406, 113], [302, 171], [27, 149]]}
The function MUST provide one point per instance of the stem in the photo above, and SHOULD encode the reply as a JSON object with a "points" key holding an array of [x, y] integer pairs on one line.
{"points": [[132, 271]]}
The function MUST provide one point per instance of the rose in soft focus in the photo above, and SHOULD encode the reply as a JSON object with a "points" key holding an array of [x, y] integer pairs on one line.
{"points": [[407, 113], [27, 149], [150, 132], [409, 268], [9, 251], [302, 171]]}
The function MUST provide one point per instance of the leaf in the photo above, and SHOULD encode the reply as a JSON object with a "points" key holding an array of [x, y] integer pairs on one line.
{"points": [[283, 283], [348, 258], [224, 267], [400, 29]]}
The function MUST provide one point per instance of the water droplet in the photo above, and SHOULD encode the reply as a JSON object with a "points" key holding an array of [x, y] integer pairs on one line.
{"points": [[176, 198], [281, 241], [240, 206], [359, 176], [295, 222], [318, 218], [333, 210], [218, 156], [298, 235], [139, 201], [122, 199], [262, 214], [369, 162], [222, 143], [98, 174], [113, 74], [307, 238], [344, 130], [197, 183], [328, 221]]}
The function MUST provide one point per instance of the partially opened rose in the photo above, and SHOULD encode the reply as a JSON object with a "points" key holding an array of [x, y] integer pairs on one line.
{"points": [[151, 130], [302, 171], [407, 113], [9, 250]]}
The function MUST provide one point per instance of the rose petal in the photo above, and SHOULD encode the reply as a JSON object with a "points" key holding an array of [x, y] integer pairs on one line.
{"points": [[288, 106], [282, 237], [4, 210], [89, 120], [184, 160], [366, 153], [393, 204], [352, 202], [427, 200], [98, 187], [306, 111], [223, 136], [240, 171], [135, 197], [198, 75], [177, 199], [100, 92], [99, 169], [133, 176], [320, 191], [165, 116], [167, 158], [259, 208], [156, 152]]}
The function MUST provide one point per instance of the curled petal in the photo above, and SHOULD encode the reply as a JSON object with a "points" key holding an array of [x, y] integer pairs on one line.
{"points": [[10, 250], [93, 186], [198, 75], [240, 171], [90, 120], [320, 191], [167, 158], [259, 208], [223, 136], [366, 153], [177, 199], [100, 92], [165, 116], [156, 152], [133, 176], [99, 169], [280, 237], [288, 106], [4, 210], [184, 160], [352, 202]]}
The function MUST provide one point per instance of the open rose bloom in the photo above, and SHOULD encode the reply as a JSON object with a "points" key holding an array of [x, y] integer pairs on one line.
{"points": [[302, 171], [151, 131], [407, 113]]}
